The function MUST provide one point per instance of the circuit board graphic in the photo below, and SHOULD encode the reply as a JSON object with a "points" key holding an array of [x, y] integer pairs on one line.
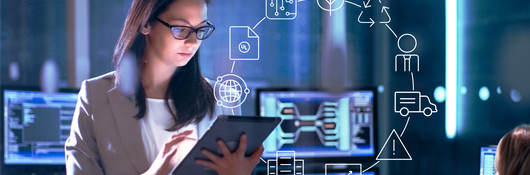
{"points": [[328, 125]]}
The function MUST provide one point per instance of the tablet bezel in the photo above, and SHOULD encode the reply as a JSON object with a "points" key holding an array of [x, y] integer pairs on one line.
{"points": [[273, 121]]}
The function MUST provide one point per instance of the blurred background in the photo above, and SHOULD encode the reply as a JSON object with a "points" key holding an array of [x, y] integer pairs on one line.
{"points": [[55, 44]]}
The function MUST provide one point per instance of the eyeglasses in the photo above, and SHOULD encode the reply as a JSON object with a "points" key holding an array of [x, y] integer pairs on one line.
{"points": [[183, 32]]}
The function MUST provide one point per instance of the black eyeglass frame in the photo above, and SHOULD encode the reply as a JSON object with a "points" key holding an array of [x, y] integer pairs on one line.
{"points": [[193, 29]]}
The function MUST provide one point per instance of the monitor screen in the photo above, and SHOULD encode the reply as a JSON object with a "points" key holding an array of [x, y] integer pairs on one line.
{"points": [[347, 173], [487, 160], [36, 126], [318, 124]]}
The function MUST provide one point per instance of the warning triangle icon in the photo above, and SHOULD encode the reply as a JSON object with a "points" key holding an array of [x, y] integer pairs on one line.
{"points": [[393, 149]]}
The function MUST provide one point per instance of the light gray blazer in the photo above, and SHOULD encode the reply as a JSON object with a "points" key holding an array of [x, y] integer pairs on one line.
{"points": [[105, 137]]}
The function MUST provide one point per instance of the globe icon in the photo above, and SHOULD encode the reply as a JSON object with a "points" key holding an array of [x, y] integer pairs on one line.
{"points": [[230, 91]]}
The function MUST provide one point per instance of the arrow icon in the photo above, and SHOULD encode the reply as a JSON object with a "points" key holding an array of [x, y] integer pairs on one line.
{"points": [[385, 9], [367, 4], [371, 22]]}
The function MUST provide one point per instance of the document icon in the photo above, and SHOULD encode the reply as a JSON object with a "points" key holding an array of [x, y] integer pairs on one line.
{"points": [[243, 43]]}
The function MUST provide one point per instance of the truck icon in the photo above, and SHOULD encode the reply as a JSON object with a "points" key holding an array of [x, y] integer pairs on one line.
{"points": [[406, 102]]}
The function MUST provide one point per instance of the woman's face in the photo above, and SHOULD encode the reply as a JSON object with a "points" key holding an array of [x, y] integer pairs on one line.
{"points": [[160, 41]]}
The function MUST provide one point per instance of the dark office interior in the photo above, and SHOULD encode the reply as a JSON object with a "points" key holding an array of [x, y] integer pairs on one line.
{"points": [[471, 64]]}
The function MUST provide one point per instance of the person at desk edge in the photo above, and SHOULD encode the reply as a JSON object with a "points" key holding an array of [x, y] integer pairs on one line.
{"points": [[151, 130], [513, 152]]}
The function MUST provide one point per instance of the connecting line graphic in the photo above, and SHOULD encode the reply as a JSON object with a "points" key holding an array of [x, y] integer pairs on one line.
{"points": [[412, 76], [405, 128], [387, 26], [371, 22], [352, 3], [370, 166], [400, 135], [233, 64], [406, 124], [385, 9], [365, 4], [257, 24]]}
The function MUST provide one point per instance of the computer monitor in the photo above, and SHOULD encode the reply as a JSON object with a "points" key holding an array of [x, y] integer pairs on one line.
{"points": [[36, 125], [320, 124], [487, 160], [348, 173]]}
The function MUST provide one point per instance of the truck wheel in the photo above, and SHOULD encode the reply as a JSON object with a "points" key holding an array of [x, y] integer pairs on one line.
{"points": [[427, 111], [404, 111]]}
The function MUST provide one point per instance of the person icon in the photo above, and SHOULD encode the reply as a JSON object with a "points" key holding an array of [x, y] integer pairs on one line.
{"points": [[407, 55]]}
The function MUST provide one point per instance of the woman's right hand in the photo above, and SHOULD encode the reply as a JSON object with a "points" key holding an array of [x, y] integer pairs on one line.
{"points": [[165, 160]]}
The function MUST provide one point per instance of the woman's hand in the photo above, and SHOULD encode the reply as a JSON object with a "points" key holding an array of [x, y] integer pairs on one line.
{"points": [[165, 160], [232, 163]]}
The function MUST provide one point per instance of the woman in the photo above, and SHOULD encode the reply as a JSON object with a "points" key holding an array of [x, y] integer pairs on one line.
{"points": [[152, 130], [513, 152]]}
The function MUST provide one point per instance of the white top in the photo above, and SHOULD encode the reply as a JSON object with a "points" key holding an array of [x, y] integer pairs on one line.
{"points": [[153, 127]]}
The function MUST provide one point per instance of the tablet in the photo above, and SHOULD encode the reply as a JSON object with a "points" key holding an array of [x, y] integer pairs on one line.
{"points": [[229, 129]]}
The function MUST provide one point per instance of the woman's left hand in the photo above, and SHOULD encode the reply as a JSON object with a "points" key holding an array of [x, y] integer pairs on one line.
{"points": [[235, 163]]}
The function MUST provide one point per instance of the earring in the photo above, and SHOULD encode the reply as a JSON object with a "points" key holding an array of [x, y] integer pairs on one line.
{"points": [[145, 29]]}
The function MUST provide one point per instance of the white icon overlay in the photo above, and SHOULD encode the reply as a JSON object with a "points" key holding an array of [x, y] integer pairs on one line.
{"points": [[230, 91]]}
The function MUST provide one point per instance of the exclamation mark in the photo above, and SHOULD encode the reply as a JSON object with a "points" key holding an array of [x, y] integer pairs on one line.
{"points": [[393, 146]]}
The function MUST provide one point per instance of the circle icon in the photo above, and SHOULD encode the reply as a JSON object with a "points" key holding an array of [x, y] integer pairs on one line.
{"points": [[427, 111], [244, 47], [409, 50], [230, 91], [404, 111]]}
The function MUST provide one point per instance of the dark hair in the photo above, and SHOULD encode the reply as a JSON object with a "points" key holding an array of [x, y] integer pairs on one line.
{"points": [[191, 94], [514, 152]]}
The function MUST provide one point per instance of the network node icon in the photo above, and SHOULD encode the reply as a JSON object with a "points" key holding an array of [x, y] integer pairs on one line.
{"points": [[230, 91], [281, 9], [348, 168], [407, 58], [243, 43], [330, 5], [406, 102], [285, 163]]}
